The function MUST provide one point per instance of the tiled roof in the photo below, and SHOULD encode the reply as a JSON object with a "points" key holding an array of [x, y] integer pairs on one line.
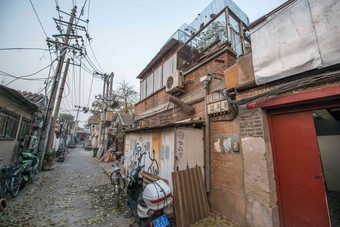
{"points": [[126, 119], [37, 99]]}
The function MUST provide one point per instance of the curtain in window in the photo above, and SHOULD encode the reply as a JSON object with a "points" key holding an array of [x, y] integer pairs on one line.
{"points": [[142, 90], [169, 67], [149, 85], [158, 78]]}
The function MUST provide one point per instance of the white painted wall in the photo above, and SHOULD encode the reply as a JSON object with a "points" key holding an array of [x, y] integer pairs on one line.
{"points": [[330, 156], [161, 151], [189, 148]]}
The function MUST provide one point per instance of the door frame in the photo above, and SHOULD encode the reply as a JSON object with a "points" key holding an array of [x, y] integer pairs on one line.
{"points": [[306, 101]]}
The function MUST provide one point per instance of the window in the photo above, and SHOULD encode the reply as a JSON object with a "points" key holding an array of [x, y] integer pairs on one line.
{"points": [[149, 85], [8, 124], [169, 67], [24, 128], [158, 78], [142, 90]]}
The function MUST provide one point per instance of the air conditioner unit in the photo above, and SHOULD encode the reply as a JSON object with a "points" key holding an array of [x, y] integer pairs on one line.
{"points": [[174, 82], [32, 142]]}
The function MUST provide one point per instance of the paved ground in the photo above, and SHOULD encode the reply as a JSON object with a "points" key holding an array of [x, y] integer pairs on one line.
{"points": [[76, 192]]}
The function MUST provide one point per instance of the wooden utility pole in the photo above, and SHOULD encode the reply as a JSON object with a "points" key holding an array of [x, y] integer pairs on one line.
{"points": [[75, 123], [57, 107], [102, 116], [56, 84], [108, 108]]}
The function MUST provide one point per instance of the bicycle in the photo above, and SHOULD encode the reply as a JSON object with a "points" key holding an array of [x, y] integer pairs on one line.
{"points": [[116, 178], [11, 179]]}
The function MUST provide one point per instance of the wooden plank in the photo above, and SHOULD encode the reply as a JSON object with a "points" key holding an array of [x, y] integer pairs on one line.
{"points": [[151, 177]]}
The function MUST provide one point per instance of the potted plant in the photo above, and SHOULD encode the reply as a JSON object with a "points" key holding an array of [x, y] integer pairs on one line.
{"points": [[48, 160]]}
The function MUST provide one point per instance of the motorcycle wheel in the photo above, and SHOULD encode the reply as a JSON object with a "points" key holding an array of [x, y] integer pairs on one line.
{"points": [[144, 223], [15, 185]]}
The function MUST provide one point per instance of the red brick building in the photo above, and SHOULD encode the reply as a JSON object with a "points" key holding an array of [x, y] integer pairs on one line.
{"points": [[265, 118]]}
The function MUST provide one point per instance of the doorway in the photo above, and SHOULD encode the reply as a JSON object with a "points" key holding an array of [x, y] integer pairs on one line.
{"points": [[327, 125], [298, 170]]}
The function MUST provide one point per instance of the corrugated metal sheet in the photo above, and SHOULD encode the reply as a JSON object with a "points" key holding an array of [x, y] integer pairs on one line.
{"points": [[300, 37]]}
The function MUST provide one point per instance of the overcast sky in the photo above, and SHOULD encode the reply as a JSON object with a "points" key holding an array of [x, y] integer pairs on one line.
{"points": [[126, 34]]}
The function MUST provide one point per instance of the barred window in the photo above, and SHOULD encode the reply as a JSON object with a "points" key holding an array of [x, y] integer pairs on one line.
{"points": [[24, 129], [8, 124]]}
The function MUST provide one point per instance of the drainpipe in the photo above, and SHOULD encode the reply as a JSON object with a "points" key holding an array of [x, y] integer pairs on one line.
{"points": [[206, 79]]}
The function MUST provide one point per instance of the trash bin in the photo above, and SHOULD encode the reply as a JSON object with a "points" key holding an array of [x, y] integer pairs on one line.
{"points": [[95, 150]]}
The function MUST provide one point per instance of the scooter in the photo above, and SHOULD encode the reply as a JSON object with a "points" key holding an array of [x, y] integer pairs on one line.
{"points": [[152, 205], [29, 163], [61, 154]]}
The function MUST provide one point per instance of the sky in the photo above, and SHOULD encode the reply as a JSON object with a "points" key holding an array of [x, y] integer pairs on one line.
{"points": [[126, 35]]}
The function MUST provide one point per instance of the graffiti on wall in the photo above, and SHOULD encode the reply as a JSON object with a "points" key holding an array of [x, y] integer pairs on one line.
{"points": [[141, 147], [153, 168]]}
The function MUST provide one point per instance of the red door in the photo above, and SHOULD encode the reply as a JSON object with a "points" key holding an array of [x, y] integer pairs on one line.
{"points": [[299, 177]]}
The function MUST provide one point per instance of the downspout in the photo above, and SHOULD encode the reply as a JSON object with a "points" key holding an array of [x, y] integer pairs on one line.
{"points": [[206, 80]]}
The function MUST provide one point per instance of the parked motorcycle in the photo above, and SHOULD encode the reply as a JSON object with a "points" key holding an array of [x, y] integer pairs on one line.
{"points": [[152, 205], [61, 154], [29, 164]]}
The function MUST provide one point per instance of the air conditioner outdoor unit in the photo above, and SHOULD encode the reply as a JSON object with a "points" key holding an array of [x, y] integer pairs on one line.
{"points": [[32, 142], [174, 82]]}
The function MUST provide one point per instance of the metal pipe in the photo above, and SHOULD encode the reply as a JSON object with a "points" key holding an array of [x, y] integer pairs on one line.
{"points": [[207, 137]]}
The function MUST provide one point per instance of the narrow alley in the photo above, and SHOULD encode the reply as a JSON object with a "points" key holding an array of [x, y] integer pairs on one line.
{"points": [[76, 192]]}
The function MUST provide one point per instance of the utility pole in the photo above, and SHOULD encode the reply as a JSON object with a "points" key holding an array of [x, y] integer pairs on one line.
{"points": [[56, 111], [108, 109], [102, 116], [56, 83], [75, 123]]}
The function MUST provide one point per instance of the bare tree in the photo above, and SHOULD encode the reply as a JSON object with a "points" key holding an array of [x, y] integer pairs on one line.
{"points": [[126, 96]]}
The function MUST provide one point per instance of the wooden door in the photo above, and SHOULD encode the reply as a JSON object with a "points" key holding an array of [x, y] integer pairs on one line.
{"points": [[298, 170]]}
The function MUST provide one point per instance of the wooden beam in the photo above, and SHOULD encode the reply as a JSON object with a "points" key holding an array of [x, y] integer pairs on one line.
{"points": [[185, 107]]}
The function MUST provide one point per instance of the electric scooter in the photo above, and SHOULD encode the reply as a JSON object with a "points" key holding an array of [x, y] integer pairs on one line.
{"points": [[152, 205]]}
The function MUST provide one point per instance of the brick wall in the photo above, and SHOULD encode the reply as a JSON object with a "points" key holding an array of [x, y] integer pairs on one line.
{"points": [[251, 124], [222, 165], [193, 86]]}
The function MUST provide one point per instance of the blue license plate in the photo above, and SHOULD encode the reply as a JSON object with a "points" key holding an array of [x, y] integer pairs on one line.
{"points": [[161, 221]]}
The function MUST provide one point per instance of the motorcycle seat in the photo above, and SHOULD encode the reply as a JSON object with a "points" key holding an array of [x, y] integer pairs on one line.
{"points": [[141, 201]]}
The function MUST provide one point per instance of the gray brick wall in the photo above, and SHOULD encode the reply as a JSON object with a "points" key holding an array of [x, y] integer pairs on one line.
{"points": [[251, 124]]}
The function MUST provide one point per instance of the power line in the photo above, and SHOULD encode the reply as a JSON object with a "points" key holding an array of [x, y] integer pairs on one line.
{"points": [[24, 48], [88, 101], [38, 19], [24, 77], [95, 57]]}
